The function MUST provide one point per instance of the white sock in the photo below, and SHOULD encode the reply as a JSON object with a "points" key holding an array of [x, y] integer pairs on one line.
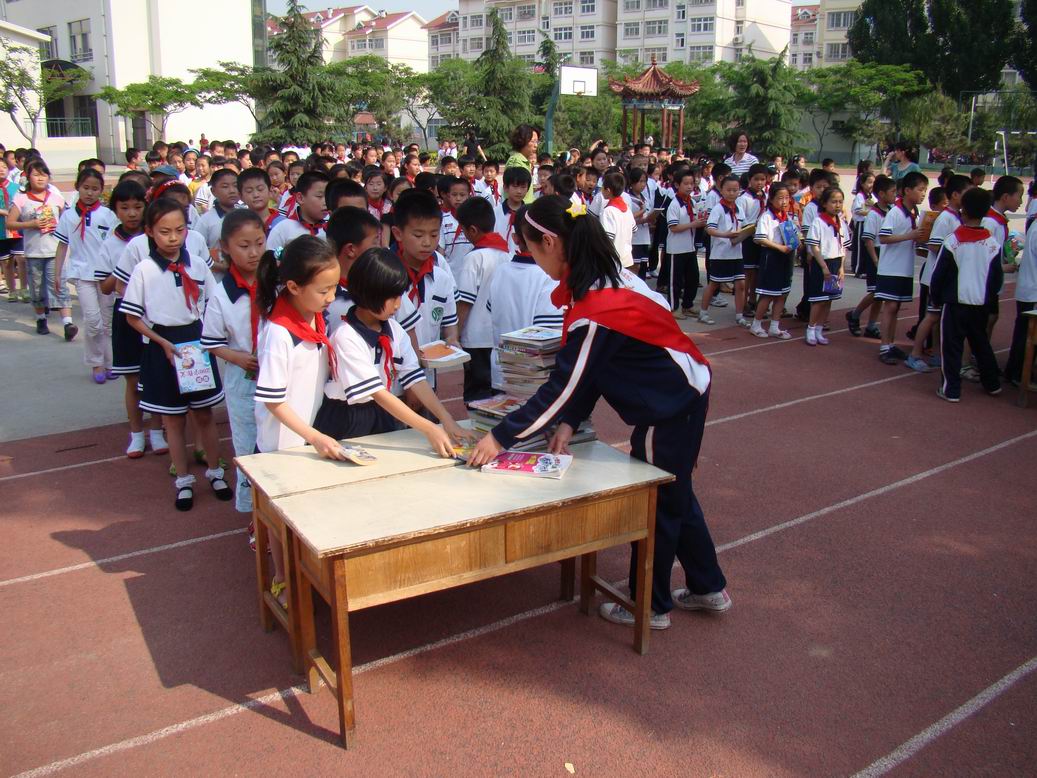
{"points": [[41, 317], [185, 480], [66, 319], [775, 329], [156, 435], [137, 437], [214, 472]]}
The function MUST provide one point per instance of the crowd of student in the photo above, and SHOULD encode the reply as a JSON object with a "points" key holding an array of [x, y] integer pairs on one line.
{"points": [[316, 277]]}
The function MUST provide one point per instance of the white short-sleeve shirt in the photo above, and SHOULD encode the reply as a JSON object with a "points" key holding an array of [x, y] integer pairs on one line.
{"points": [[156, 294], [768, 227], [897, 259], [228, 318], [473, 287], [454, 242], [287, 230], [436, 302], [406, 316], [946, 223], [620, 226], [138, 249], [720, 219], [109, 254], [830, 243], [679, 242], [84, 235], [749, 208], [361, 362]]}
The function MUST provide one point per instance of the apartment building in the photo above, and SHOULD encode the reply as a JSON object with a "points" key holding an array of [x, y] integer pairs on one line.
{"points": [[119, 42], [803, 42], [443, 43], [835, 17], [400, 38]]}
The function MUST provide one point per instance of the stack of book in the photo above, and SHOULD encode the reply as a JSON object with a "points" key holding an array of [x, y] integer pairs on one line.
{"points": [[527, 357], [486, 414]]}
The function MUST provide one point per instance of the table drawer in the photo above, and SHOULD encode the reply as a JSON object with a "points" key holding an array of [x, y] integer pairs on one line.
{"points": [[577, 525]]}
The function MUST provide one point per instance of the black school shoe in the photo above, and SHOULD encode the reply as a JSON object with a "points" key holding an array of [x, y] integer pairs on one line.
{"points": [[71, 330], [888, 357], [220, 489], [42, 328], [853, 323], [184, 498]]}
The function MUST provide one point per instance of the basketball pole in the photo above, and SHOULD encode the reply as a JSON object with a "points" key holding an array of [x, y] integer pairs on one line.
{"points": [[549, 121]]}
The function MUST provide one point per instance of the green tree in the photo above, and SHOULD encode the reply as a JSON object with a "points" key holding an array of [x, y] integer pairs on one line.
{"points": [[933, 120], [454, 89], [157, 99], [705, 112], [1024, 43], [766, 93], [892, 32], [548, 61], [298, 96], [231, 82], [506, 88], [418, 103], [26, 88], [372, 84]]}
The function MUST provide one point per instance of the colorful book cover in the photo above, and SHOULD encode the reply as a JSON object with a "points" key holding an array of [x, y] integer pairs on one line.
{"points": [[193, 366], [537, 465]]}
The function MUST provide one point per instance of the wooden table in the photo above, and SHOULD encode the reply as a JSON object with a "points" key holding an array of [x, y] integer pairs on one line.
{"points": [[373, 541], [1031, 340]]}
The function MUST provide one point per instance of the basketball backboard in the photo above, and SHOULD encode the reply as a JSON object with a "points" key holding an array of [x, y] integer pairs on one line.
{"points": [[578, 81]]}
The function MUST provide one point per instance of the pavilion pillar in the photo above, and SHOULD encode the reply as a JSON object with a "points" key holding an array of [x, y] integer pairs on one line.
{"points": [[662, 127], [680, 128], [626, 138]]}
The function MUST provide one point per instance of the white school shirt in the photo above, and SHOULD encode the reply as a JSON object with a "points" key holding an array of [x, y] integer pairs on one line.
{"points": [[768, 227], [1031, 210], [619, 226], [109, 254], [505, 224], [720, 219], [138, 249], [749, 208], [473, 287], [292, 372], [454, 243], [287, 230], [996, 229], [870, 230], [437, 305], [1026, 279], [486, 192], [946, 223], [228, 318], [406, 316], [520, 296], [897, 259], [810, 213], [154, 295], [361, 368], [81, 258], [283, 206], [597, 205], [679, 242], [861, 203], [203, 197], [642, 235], [210, 225], [712, 199], [822, 235]]}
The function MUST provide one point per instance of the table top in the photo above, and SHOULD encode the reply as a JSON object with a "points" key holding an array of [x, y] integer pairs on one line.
{"points": [[358, 517], [301, 469]]}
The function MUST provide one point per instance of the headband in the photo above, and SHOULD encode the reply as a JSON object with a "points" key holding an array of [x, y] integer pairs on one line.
{"points": [[544, 230], [159, 190]]}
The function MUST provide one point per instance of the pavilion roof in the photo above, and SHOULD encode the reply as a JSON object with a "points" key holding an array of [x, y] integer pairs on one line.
{"points": [[653, 82]]}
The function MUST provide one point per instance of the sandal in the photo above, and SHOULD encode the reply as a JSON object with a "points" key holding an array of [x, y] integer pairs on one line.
{"points": [[277, 589], [781, 334]]}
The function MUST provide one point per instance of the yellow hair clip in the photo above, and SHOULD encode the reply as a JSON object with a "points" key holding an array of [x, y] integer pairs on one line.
{"points": [[576, 209]]}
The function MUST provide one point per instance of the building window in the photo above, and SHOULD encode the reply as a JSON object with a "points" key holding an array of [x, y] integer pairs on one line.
{"points": [[682, 13], [808, 60], [700, 53], [841, 20], [656, 28], [464, 22], [700, 24], [837, 52], [526, 12], [738, 55], [588, 6], [563, 34], [739, 3], [433, 41], [701, 2], [658, 53], [377, 43], [529, 59], [475, 44], [506, 14], [631, 5], [739, 28], [586, 32], [476, 22], [795, 39], [808, 39], [654, 5], [433, 62], [631, 29], [49, 50], [793, 59], [545, 22], [79, 41], [526, 37], [445, 39], [360, 45], [464, 45], [564, 8], [586, 57], [678, 40], [509, 38]]}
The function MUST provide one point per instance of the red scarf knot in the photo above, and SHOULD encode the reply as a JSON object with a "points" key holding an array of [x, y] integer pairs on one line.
{"points": [[834, 222], [190, 286], [285, 314], [312, 228], [84, 215], [781, 216], [998, 217], [618, 203], [385, 344], [417, 278], [252, 289], [492, 240]]}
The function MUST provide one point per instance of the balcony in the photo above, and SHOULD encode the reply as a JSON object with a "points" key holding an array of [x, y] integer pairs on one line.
{"points": [[77, 127], [82, 56]]}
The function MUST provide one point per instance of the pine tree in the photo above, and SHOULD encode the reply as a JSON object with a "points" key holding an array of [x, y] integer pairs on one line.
{"points": [[766, 93], [1024, 49], [506, 87]]}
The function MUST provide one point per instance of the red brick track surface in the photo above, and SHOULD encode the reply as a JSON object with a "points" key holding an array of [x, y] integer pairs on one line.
{"points": [[880, 547]]}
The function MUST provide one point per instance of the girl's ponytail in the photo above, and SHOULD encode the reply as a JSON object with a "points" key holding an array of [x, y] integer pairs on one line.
{"points": [[266, 282]]}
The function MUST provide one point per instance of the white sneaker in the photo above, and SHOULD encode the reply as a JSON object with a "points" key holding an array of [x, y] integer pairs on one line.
{"points": [[780, 334], [741, 321], [617, 614], [718, 602], [811, 337], [705, 318], [157, 439], [718, 302], [758, 331], [821, 339], [136, 448]]}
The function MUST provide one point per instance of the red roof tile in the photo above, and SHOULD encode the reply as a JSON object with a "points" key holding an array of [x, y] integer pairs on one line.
{"points": [[654, 82]]}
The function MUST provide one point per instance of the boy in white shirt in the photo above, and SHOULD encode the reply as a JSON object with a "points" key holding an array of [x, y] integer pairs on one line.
{"points": [[682, 221], [617, 217], [308, 218], [517, 181]]}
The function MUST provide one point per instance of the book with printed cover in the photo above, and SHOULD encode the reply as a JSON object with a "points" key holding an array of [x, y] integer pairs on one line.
{"points": [[193, 367], [532, 463], [790, 234], [438, 355], [539, 337]]}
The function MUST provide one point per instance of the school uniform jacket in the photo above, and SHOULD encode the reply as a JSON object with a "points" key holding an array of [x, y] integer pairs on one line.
{"points": [[362, 363], [84, 234], [473, 287], [968, 269], [1026, 280], [156, 295], [291, 371], [335, 314], [228, 318], [645, 384]]}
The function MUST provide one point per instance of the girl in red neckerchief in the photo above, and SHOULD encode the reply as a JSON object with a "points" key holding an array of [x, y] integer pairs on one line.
{"points": [[827, 242], [622, 344]]}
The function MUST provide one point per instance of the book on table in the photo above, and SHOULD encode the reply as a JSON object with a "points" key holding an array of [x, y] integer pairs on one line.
{"points": [[529, 463]]}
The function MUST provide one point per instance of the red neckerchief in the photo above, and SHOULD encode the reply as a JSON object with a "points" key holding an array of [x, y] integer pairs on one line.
{"points": [[494, 189], [179, 268], [84, 216], [688, 205], [313, 229], [253, 308], [376, 206], [410, 178], [760, 197], [732, 211], [290, 205], [582, 196], [385, 344], [629, 313], [471, 185], [781, 216], [971, 234], [32, 196], [417, 278], [912, 214], [268, 224], [619, 204], [833, 222], [285, 314], [492, 240], [998, 217]]}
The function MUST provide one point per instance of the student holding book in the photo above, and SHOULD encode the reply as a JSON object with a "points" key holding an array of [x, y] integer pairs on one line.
{"points": [[622, 343]]}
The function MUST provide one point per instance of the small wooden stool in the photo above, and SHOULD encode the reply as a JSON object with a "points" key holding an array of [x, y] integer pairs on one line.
{"points": [[1031, 340]]}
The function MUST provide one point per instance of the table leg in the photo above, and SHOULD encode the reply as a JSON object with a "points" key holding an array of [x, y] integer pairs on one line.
{"points": [[1024, 384], [588, 569], [307, 631], [294, 610], [343, 654], [643, 585], [568, 588], [263, 573]]}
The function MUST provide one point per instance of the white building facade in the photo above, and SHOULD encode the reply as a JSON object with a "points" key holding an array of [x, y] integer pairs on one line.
{"points": [[120, 42]]}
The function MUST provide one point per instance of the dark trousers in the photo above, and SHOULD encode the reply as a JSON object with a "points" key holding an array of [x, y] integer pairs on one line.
{"points": [[684, 279], [960, 323], [803, 306], [477, 384], [1016, 355], [680, 528]]}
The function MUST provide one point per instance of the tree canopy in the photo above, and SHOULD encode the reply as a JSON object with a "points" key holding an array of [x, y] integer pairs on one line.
{"points": [[157, 98]]}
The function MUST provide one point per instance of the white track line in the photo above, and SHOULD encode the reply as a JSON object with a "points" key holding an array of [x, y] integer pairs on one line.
{"points": [[231, 710], [948, 722]]}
